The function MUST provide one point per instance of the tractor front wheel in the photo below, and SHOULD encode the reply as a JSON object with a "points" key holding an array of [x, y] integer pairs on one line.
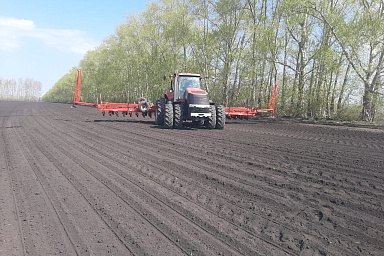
{"points": [[168, 116], [210, 123], [220, 117], [159, 114], [177, 117]]}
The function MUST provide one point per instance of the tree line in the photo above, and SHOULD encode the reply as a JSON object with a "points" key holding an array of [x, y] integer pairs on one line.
{"points": [[326, 55], [21, 89]]}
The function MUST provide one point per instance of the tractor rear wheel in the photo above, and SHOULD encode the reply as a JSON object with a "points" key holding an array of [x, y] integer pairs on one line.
{"points": [[210, 123], [220, 117], [159, 114], [168, 116], [177, 117]]}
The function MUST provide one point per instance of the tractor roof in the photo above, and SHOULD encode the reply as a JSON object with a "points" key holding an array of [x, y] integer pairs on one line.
{"points": [[188, 74]]}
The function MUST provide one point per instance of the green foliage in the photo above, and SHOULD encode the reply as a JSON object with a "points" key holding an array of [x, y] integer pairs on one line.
{"points": [[349, 113], [318, 51], [64, 89]]}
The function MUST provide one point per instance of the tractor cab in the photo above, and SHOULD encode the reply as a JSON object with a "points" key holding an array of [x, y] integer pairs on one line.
{"points": [[182, 81]]}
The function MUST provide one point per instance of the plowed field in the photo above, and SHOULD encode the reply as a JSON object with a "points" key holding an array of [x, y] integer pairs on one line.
{"points": [[73, 182]]}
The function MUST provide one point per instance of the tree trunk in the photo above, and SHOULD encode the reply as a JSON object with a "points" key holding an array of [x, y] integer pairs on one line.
{"points": [[284, 82], [342, 90], [311, 92], [367, 112]]}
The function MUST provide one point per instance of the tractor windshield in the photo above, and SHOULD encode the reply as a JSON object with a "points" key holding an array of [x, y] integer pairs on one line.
{"points": [[188, 82]]}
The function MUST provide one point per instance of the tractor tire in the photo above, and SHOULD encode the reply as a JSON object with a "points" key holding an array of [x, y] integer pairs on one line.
{"points": [[177, 117], [159, 114], [210, 123], [220, 117], [168, 116]]}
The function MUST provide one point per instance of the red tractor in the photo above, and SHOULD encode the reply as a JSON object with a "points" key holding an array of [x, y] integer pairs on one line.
{"points": [[187, 104]]}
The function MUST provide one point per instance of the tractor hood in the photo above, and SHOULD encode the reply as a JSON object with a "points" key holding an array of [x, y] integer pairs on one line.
{"points": [[196, 96], [197, 91]]}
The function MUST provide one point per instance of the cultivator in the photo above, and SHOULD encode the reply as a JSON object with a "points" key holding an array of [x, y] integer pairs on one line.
{"points": [[143, 107], [208, 114], [247, 112]]}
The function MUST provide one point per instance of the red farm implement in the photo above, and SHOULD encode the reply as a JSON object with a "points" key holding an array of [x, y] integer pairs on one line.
{"points": [[184, 104], [143, 107], [247, 112]]}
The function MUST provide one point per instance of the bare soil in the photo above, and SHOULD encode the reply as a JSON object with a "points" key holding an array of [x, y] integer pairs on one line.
{"points": [[73, 182]]}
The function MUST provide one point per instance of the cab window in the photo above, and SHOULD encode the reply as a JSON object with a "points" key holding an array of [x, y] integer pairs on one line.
{"points": [[188, 82]]}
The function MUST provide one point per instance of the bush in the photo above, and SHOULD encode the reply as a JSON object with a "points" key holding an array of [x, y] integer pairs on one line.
{"points": [[349, 113]]}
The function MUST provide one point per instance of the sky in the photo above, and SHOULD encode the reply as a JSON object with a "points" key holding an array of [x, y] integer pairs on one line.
{"points": [[44, 39]]}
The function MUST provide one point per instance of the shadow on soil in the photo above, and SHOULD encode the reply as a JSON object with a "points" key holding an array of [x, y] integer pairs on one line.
{"points": [[261, 120], [123, 121], [287, 120], [151, 123]]}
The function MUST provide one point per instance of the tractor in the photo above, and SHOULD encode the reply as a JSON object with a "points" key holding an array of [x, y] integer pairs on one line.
{"points": [[186, 104]]}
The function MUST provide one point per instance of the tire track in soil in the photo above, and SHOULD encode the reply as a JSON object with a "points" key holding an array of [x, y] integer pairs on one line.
{"points": [[11, 239], [354, 222], [61, 206], [101, 208], [195, 218], [272, 168], [304, 152], [37, 226], [76, 242], [335, 134], [311, 178], [283, 136], [287, 151], [117, 159], [300, 180]]}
